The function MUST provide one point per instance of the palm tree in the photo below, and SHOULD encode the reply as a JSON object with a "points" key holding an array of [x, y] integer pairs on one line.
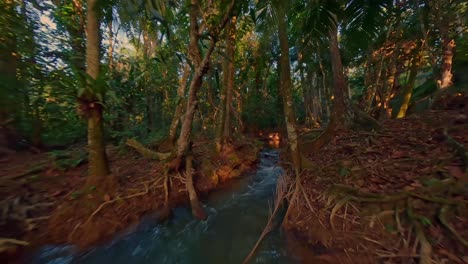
{"points": [[276, 10], [327, 19], [98, 165]]}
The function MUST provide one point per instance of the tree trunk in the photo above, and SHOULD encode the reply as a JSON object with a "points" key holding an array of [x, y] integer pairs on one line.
{"points": [[230, 50], [340, 117], [110, 51], [180, 104], [285, 87], [446, 67], [326, 91], [201, 68], [197, 209], [408, 91], [98, 166], [9, 60]]}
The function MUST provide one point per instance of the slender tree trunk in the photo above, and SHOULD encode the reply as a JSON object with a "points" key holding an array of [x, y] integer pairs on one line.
{"points": [[180, 104], [446, 67], [98, 166], [340, 116], [9, 59], [197, 209], [201, 68], [285, 87], [408, 91], [326, 91], [110, 51], [230, 50]]}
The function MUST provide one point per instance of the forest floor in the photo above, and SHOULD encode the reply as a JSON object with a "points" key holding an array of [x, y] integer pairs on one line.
{"points": [[45, 202], [397, 195]]}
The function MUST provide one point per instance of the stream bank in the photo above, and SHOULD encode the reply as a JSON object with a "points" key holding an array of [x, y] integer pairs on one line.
{"points": [[237, 214], [87, 218], [397, 195]]}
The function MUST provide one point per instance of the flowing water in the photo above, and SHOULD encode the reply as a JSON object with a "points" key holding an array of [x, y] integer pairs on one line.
{"points": [[237, 216]]}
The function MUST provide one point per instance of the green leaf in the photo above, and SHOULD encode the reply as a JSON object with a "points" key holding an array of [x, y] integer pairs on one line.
{"points": [[344, 172]]}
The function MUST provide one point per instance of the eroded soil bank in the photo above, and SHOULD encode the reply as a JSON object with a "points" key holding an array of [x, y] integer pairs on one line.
{"points": [[397, 195], [51, 206]]}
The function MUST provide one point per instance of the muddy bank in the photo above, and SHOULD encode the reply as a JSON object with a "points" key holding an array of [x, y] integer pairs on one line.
{"points": [[86, 217], [397, 195]]}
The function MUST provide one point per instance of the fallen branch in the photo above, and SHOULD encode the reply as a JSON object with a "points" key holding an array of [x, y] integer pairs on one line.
{"points": [[6, 241], [148, 153], [280, 194]]}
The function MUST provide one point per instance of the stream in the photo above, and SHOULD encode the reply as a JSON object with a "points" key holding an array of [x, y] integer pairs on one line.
{"points": [[237, 215]]}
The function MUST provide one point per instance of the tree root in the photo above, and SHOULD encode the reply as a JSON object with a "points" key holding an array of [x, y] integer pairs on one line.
{"points": [[147, 153], [425, 249], [197, 209], [100, 207], [358, 196], [6, 242], [460, 151], [452, 230]]}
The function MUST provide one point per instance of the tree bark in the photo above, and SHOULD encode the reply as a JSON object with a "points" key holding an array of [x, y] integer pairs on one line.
{"points": [[446, 67], [9, 60], [230, 50], [408, 91], [340, 117], [201, 68], [285, 87], [98, 166], [180, 104], [197, 209]]}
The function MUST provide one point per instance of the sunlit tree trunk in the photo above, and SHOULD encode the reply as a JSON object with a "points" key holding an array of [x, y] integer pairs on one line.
{"points": [[408, 90], [98, 166], [446, 75], [286, 90]]}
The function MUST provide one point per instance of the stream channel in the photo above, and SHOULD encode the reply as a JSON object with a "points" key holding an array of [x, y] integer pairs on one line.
{"points": [[237, 215]]}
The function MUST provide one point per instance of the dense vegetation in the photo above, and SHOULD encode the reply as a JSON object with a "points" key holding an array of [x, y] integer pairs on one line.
{"points": [[153, 72]]}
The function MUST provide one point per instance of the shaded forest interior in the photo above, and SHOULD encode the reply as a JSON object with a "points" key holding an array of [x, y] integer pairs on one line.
{"points": [[116, 109]]}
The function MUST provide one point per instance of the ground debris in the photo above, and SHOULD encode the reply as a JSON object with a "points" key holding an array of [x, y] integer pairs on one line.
{"points": [[401, 189]]}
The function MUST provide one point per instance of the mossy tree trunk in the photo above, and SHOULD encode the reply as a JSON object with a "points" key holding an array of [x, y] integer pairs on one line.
{"points": [[98, 165], [285, 87]]}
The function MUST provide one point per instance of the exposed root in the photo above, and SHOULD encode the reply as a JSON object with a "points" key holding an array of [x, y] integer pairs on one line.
{"points": [[6, 243], [425, 249], [197, 209], [148, 153], [452, 230], [100, 207]]}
